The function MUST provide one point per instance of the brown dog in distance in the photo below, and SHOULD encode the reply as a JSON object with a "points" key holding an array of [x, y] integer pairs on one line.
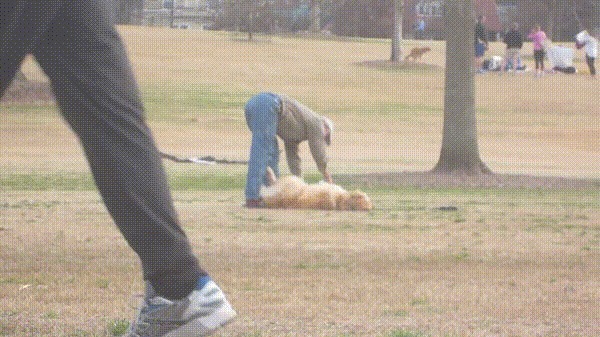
{"points": [[417, 53]]}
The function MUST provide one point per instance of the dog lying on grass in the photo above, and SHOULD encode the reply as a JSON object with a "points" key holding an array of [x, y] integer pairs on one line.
{"points": [[293, 192], [417, 53]]}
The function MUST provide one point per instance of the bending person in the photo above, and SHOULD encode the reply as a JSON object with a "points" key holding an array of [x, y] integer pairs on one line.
{"points": [[269, 115]]}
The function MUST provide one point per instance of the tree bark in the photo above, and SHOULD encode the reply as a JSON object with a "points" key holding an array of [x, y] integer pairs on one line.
{"points": [[460, 152], [397, 31]]}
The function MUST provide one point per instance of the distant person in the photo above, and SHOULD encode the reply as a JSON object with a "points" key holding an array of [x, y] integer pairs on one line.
{"points": [[590, 45], [538, 37], [514, 42], [481, 43], [269, 115], [77, 46], [420, 30]]}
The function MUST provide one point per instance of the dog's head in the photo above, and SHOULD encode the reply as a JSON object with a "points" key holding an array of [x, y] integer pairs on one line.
{"points": [[356, 201]]}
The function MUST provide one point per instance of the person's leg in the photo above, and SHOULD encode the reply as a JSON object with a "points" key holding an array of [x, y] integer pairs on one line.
{"points": [[591, 64], [85, 59], [514, 60], [539, 62], [273, 161], [504, 63], [21, 26], [261, 115], [479, 54]]}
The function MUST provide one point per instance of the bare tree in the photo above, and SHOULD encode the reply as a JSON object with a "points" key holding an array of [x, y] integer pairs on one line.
{"points": [[172, 15], [460, 151], [560, 19], [315, 16], [587, 14], [397, 31], [128, 11], [246, 13]]}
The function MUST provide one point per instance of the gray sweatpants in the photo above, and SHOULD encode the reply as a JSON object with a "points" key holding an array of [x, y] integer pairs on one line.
{"points": [[79, 49]]}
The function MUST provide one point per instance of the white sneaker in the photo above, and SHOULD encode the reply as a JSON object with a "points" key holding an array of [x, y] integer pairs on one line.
{"points": [[199, 314]]}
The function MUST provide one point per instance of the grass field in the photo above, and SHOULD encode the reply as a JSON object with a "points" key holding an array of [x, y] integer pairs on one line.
{"points": [[506, 262]]}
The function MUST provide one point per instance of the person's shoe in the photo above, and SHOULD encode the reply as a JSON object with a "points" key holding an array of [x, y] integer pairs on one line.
{"points": [[203, 311], [254, 203]]}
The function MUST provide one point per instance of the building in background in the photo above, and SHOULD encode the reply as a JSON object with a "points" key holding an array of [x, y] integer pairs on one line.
{"points": [[178, 13]]}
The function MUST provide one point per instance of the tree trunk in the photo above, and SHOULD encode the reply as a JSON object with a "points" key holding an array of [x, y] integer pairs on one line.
{"points": [[172, 15], [460, 152], [397, 32], [315, 16], [551, 20], [250, 25]]}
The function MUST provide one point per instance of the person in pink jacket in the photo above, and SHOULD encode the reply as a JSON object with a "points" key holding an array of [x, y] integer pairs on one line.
{"points": [[538, 36]]}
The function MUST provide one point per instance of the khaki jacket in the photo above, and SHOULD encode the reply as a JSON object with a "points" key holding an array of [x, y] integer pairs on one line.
{"points": [[298, 123]]}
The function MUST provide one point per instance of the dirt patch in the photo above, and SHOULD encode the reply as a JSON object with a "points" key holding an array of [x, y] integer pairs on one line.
{"points": [[399, 66], [429, 179], [28, 93]]}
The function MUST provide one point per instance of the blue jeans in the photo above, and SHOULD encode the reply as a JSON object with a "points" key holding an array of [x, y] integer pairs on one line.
{"points": [[262, 114], [479, 49]]}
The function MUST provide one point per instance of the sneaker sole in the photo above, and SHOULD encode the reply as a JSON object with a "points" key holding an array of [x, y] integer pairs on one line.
{"points": [[205, 326]]}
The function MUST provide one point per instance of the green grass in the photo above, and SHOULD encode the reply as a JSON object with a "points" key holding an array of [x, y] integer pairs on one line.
{"points": [[28, 109], [59, 181], [401, 111], [180, 103], [406, 333], [118, 327], [396, 313], [313, 266], [80, 181], [190, 181], [50, 315]]}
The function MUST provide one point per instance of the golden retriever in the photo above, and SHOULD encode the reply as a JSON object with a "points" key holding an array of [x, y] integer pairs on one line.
{"points": [[417, 53], [293, 192]]}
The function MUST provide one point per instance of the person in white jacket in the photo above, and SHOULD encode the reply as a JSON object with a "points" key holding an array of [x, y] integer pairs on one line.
{"points": [[590, 46]]}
